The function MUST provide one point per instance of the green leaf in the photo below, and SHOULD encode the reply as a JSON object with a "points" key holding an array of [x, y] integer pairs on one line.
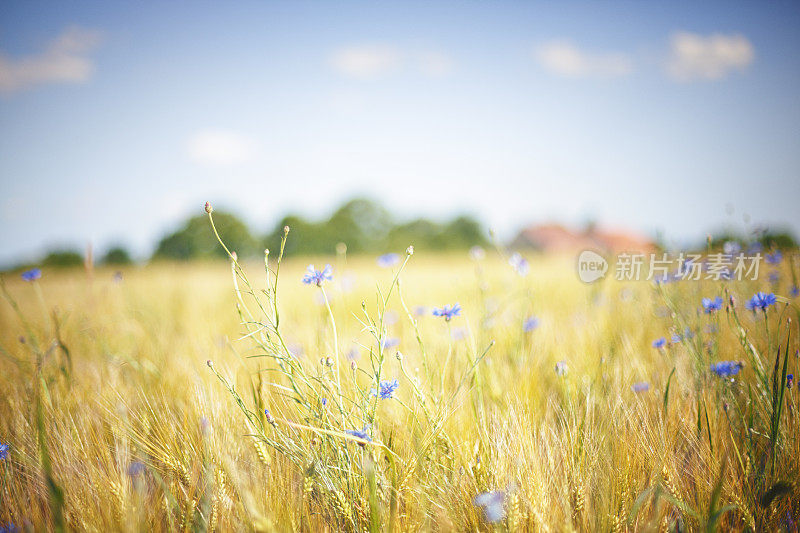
{"points": [[708, 427], [666, 390], [640, 501], [712, 523], [713, 512], [680, 504]]}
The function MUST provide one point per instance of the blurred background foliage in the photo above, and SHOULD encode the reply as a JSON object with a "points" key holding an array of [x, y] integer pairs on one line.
{"points": [[62, 258], [768, 238], [366, 226], [117, 255], [195, 240], [363, 225]]}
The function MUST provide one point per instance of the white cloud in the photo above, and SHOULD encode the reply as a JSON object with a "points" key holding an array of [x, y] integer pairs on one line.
{"points": [[696, 57], [220, 148], [365, 62], [65, 60], [373, 61], [566, 59]]}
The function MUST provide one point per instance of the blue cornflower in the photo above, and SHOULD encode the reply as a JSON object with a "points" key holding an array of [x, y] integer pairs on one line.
{"points": [[711, 306], [760, 300], [8, 528], [493, 505], [794, 292], [391, 342], [324, 402], [731, 248], [789, 380], [3, 451], [32, 274], [360, 434], [754, 248], [659, 343], [774, 277], [530, 324], [642, 386], [726, 369], [448, 312], [774, 258], [519, 264], [561, 368], [136, 468], [388, 260], [386, 389], [316, 277]]}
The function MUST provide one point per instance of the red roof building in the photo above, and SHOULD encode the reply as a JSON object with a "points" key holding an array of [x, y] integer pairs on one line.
{"points": [[554, 238]]}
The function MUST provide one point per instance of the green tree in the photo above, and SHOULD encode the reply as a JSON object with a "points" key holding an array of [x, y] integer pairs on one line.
{"points": [[117, 255], [424, 234], [361, 224], [195, 239], [464, 231], [63, 258], [461, 232], [779, 239], [305, 237]]}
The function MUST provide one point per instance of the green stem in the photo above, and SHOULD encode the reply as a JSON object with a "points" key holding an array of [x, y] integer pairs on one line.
{"points": [[335, 341]]}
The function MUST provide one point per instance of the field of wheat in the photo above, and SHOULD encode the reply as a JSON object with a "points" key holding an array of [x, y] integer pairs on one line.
{"points": [[435, 392]]}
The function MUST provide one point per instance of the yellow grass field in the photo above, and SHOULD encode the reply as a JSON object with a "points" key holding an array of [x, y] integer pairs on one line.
{"points": [[115, 419]]}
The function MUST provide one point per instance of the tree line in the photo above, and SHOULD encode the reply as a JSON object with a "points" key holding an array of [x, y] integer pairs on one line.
{"points": [[361, 224]]}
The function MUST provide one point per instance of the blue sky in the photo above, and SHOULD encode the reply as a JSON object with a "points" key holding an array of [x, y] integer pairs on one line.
{"points": [[117, 120]]}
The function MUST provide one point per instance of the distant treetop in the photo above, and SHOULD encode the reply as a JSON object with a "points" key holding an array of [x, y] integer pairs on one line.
{"points": [[117, 255], [195, 239], [362, 225], [366, 226]]}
